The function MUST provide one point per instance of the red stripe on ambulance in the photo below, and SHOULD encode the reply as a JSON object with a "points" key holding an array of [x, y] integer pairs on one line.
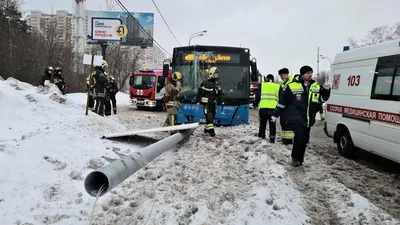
{"points": [[365, 113]]}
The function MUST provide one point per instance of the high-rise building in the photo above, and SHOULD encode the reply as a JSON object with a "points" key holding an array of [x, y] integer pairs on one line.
{"points": [[60, 23]]}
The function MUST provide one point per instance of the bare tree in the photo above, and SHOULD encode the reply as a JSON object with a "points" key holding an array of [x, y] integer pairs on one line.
{"points": [[122, 61], [377, 35]]}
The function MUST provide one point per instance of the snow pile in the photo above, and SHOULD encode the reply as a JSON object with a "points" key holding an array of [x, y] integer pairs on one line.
{"points": [[47, 147], [227, 180]]}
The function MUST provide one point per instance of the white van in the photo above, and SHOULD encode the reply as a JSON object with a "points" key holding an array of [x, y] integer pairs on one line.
{"points": [[364, 107]]}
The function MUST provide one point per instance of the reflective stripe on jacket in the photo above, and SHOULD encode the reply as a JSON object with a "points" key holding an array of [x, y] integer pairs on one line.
{"points": [[301, 106]]}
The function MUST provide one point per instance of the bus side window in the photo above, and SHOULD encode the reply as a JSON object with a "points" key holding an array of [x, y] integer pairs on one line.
{"points": [[386, 83]]}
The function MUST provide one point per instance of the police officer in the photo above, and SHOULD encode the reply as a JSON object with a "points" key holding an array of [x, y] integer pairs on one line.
{"points": [[287, 134], [300, 99], [47, 75], [100, 80], [58, 80], [209, 94], [266, 99], [172, 90]]}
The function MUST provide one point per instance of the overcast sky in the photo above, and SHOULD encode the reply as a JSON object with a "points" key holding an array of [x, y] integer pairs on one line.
{"points": [[284, 33]]}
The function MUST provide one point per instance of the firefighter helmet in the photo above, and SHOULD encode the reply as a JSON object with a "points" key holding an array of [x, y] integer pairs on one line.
{"points": [[58, 70], [104, 64], [176, 76], [49, 69], [212, 71]]}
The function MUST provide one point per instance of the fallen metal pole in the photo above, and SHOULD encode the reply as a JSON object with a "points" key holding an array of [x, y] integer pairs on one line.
{"points": [[116, 172]]}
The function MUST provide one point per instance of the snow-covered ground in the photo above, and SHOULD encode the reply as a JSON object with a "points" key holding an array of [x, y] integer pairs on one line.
{"points": [[48, 146]]}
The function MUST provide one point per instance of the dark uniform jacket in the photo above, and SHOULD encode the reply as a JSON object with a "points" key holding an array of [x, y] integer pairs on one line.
{"points": [[101, 81], [210, 92], [301, 105]]}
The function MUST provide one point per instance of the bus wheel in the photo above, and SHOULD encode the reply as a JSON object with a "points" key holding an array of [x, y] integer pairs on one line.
{"points": [[345, 143]]}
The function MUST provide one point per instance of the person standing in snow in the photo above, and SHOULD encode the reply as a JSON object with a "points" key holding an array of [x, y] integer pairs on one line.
{"points": [[90, 89], [172, 90], [266, 100], [287, 133], [209, 95], [113, 93], [100, 80], [58, 80], [47, 75], [112, 90], [321, 112], [301, 99]]}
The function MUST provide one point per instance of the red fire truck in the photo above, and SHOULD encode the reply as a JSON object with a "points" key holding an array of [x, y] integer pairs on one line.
{"points": [[147, 89], [254, 88]]}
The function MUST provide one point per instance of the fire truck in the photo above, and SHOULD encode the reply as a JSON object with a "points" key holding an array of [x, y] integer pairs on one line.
{"points": [[147, 89], [254, 88]]}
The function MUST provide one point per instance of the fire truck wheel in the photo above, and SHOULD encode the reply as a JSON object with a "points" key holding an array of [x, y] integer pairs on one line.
{"points": [[345, 143]]}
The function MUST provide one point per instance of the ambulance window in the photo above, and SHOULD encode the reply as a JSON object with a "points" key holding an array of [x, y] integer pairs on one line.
{"points": [[396, 85], [386, 85], [384, 81]]}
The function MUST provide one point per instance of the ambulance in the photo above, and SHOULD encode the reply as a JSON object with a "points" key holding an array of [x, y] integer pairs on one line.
{"points": [[363, 111]]}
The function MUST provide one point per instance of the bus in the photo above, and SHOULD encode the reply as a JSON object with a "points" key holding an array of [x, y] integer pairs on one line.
{"points": [[234, 67]]}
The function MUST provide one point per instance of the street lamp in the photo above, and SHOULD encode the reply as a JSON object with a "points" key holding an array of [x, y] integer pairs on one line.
{"points": [[197, 34], [326, 57]]}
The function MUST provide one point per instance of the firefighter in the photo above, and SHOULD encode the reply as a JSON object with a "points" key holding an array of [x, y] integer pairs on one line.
{"points": [[287, 134], [209, 95], [90, 89], [266, 99], [301, 99], [110, 96], [100, 80], [172, 90], [58, 80], [113, 93], [47, 75]]}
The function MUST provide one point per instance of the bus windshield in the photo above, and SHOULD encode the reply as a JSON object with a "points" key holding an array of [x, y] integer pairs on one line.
{"points": [[233, 73]]}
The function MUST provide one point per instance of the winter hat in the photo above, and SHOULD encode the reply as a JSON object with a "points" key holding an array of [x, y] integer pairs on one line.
{"points": [[305, 69], [283, 70]]}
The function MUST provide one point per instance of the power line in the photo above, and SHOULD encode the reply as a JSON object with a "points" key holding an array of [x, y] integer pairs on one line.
{"points": [[166, 22], [140, 26]]}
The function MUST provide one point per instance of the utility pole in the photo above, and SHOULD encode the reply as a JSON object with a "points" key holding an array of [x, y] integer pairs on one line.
{"points": [[318, 62]]}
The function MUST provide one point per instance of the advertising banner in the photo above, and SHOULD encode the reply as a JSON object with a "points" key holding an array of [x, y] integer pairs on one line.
{"points": [[135, 29]]}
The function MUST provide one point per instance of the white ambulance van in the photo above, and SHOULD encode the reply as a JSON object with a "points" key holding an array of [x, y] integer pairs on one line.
{"points": [[363, 110]]}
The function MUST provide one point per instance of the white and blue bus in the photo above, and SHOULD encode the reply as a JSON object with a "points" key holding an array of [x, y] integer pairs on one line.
{"points": [[234, 66]]}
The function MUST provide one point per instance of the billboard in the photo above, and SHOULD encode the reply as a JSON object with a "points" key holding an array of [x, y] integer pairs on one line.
{"points": [[110, 27]]}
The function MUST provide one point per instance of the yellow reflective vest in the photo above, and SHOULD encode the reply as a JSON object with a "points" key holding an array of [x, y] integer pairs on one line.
{"points": [[285, 82], [269, 95]]}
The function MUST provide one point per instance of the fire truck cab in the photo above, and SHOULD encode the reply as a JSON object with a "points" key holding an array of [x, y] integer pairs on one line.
{"points": [[147, 89], [254, 85]]}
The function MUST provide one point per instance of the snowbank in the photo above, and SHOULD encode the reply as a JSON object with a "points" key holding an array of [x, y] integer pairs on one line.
{"points": [[47, 147]]}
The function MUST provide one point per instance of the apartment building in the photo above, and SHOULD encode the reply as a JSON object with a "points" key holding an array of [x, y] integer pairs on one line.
{"points": [[61, 22]]}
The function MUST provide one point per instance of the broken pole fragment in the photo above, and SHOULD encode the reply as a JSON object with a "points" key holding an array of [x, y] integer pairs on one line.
{"points": [[116, 172]]}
